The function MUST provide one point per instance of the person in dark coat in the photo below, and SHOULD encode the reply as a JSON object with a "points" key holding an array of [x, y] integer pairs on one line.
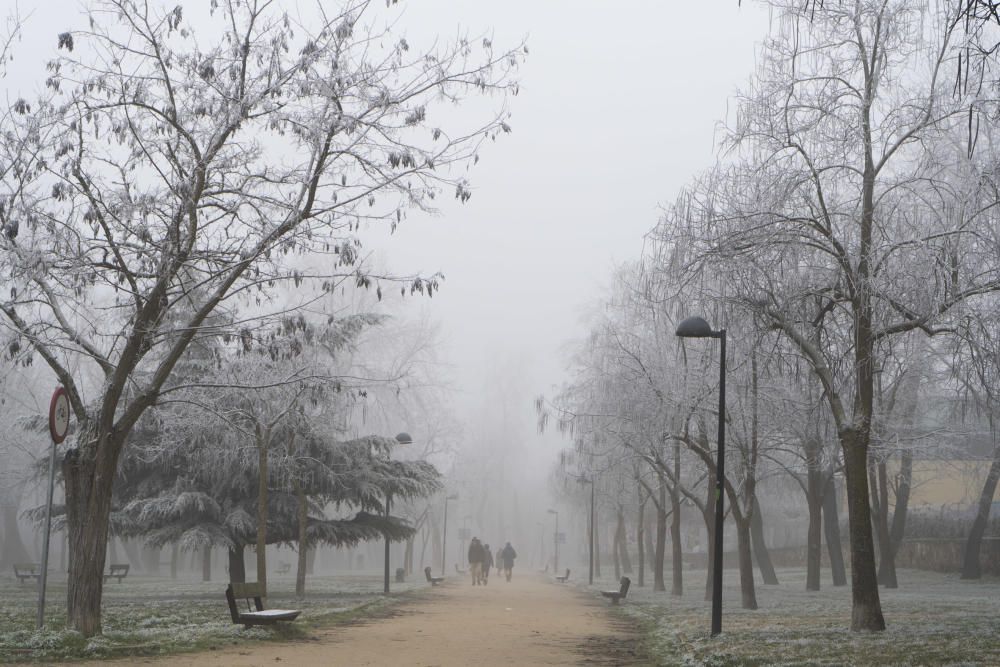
{"points": [[508, 555], [487, 563], [476, 557]]}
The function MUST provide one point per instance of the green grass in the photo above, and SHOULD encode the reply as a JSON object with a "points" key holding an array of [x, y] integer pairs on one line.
{"points": [[146, 616], [932, 619]]}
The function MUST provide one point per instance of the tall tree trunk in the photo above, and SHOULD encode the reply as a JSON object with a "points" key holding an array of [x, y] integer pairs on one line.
{"points": [[88, 474], [708, 516], [263, 439], [760, 552], [866, 607], [206, 564], [237, 565], [887, 558], [676, 546], [626, 561], [640, 539], [748, 591], [303, 542], [971, 568], [898, 527], [661, 538], [831, 531], [814, 503], [615, 559], [14, 550]]}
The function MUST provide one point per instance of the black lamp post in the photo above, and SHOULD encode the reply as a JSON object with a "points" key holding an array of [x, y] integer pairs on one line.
{"points": [[590, 546], [696, 327], [403, 439]]}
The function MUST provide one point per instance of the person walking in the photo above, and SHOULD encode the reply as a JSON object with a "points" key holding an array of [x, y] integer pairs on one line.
{"points": [[476, 558], [487, 563], [507, 556]]}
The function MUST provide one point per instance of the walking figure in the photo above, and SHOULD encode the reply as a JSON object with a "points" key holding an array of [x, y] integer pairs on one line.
{"points": [[508, 555], [487, 564], [476, 558]]}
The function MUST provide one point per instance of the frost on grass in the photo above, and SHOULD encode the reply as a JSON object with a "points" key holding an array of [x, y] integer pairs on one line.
{"points": [[933, 619]]}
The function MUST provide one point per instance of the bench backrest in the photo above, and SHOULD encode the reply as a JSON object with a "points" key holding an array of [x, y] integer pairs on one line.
{"points": [[626, 582], [26, 567], [427, 572], [119, 568], [246, 591], [567, 573]]}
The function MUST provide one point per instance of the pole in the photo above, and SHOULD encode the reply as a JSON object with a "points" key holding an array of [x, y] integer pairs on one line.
{"points": [[43, 579], [444, 537], [592, 531], [388, 500], [720, 486]]}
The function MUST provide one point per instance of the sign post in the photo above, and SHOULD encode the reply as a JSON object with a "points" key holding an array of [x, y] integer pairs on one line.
{"points": [[58, 426]]}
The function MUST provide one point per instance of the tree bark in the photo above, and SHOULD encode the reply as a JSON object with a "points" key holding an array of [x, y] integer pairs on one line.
{"points": [[237, 565], [814, 543], [661, 538], [622, 537], [88, 475], [748, 592], [760, 551], [640, 539], [831, 531], [971, 568], [676, 546], [303, 544], [898, 527], [887, 558], [262, 443], [866, 607]]}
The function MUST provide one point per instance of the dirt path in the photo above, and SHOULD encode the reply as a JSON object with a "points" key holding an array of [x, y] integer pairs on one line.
{"points": [[529, 621]]}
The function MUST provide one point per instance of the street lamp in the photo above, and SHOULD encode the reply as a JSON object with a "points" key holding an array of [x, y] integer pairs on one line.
{"points": [[555, 541], [696, 327], [444, 533], [403, 439], [590, 545]]}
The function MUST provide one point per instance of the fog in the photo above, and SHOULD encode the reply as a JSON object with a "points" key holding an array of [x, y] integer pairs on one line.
{"points": [[486, 229]]}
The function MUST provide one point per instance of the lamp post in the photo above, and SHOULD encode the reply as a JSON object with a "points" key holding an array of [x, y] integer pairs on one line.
{"points": [[555, 542], [403, 439], [444, 532], [590, 545], [697, 327]]}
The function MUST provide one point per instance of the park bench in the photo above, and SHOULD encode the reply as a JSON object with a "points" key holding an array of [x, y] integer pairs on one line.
{"points": [[255, 615], [118, 571], [434, 581], [25, 571], [620, 594], [562, 579], [283, 568]]}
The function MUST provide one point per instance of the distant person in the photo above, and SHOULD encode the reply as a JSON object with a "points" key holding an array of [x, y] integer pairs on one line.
{"points": [[487, 563], [507, 557], [476, 557]]}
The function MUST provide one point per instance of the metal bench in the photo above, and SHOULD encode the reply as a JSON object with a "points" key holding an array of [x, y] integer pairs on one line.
{"points": [[563, 578], [256, 614], [434, 581], [283, 567], [25, 571], [118, 571], [620, 594]]}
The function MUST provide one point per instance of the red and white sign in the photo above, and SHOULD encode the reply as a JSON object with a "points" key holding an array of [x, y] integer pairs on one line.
{"points": [[59, 415]]}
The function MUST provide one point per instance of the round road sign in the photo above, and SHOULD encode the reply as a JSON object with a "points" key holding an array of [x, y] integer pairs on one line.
{"points": [[59, 415]]}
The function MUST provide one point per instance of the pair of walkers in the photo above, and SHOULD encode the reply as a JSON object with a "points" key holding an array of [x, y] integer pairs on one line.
{"points": [[481, 561]]}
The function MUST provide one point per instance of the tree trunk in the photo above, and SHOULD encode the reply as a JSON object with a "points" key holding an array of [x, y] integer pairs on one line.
{"points": [[898, 527], [14, 550], [237, 565], [971, 568], [887, 558], [760, 551], [597, 544], [206, 564], [661, 539], [615, 559], [622, 537], [676, 546], [708, 516], [640, 539], [262, 443], [866, 607], [303, 544], [88, 476], [814, 542], [831, 531], [748, 592]]}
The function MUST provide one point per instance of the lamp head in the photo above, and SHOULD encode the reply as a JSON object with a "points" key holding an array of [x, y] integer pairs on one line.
{"points": [[552, 511], [695, 327], [404, 438]]}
